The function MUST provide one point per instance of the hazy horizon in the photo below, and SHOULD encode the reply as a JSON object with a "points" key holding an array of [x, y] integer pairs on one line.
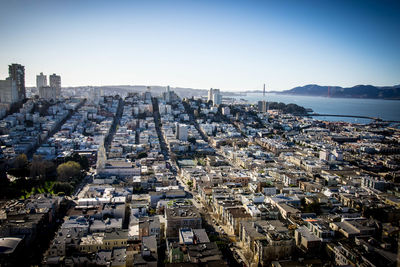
{"points": [[222, 90], [230, 45]]}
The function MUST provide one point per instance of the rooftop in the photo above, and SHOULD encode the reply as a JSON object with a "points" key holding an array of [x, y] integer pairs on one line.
{"points": [[182, 212], [9, 244]]}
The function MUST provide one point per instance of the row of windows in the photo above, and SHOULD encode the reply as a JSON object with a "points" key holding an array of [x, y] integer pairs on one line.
{"points": [[107, 244]]}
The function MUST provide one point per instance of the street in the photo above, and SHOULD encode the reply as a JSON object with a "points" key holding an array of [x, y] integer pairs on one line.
{"points": [[231, 252]]}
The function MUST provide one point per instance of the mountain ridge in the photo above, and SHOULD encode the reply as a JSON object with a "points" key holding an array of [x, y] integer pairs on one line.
{"points": [[357, 91]]}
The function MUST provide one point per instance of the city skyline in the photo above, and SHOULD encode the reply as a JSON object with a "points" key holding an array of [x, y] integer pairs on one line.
{"points": [[228, 45], [200, 133]]}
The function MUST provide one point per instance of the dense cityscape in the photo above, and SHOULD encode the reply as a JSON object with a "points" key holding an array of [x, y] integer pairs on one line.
{"points": [[119, 178]]}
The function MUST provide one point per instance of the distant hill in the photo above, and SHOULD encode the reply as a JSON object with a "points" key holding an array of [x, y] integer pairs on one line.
{"points": [[156, 90], [358, 91]]}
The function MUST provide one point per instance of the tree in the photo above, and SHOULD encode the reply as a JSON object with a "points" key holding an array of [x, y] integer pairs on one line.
{"points": [[142, 155], [192, 140], [41, 168], [68, 170], [4, 182], [152, 211], [21, 161], [36, 168], [62, 187], [314, 207], [82, 160], [388, 177], [20, 166]]}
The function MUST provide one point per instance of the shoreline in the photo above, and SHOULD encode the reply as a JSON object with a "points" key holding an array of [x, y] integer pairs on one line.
{"points": [[336, 97]]}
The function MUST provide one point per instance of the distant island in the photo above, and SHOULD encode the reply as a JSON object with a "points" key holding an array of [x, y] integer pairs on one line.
{"points": [[289, 108], [358, 91]]}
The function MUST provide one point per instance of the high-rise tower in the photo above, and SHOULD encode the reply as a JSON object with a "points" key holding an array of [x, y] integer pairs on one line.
{"points": [[215, 96], [210, 95], [41, 80], [55, 83], [17, 73], [167, 95]]}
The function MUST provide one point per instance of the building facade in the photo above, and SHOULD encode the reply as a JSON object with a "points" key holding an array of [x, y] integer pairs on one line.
{"points": [[48, 93], [215, 96], [55, 82], [182, 217], [41, 80], [8, 91], [17, 73]]}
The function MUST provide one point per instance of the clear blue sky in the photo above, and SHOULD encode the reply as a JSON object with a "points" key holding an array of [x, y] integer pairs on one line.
{"points": [[231, 45]]}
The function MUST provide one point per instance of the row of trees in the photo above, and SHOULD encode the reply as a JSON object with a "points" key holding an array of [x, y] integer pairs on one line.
{"points": [[42, 169], [36, 176]]}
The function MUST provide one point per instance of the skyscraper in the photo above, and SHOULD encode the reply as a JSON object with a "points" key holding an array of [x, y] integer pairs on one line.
{"points": [[17, 74], [262, 106], [8, 91], [147, 95], [210, 95], [216, 97], [41, 80], [167, 95], [55, 83]]}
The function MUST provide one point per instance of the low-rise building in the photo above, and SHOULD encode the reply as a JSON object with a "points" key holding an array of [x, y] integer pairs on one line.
{"points": [[181, 217]]}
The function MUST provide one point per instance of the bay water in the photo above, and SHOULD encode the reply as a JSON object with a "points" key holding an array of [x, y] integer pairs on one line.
{"points": [[377, 108]]}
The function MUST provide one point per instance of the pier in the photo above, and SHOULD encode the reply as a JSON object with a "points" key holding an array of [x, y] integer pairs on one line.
{"points": [[346, 116], [349, 116]]}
